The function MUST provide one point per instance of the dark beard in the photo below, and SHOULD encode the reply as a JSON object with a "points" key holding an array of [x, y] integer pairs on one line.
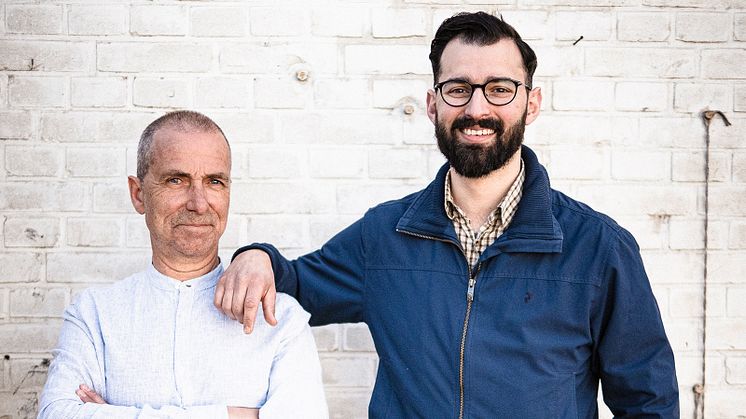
{"points": [[474, 160]]}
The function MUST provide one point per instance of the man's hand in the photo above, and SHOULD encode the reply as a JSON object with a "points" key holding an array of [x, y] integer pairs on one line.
{"points": [[87, 395], [248, 281], [242, 413]]}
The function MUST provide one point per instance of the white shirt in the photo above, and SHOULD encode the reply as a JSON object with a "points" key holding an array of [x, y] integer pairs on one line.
{"points": [[156, 347]]}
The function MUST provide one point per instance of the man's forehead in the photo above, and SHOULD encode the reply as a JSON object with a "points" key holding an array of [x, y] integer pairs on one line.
{"points": [[477, 62]]}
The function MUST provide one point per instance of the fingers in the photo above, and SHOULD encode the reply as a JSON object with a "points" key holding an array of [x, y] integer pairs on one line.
{"points": [[268, 305], [87, 395]]}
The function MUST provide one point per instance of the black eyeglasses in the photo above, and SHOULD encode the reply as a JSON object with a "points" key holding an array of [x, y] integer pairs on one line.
{"points": [[498, 92]]}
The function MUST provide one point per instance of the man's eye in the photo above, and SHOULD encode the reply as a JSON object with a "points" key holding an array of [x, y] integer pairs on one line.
{"points": [[216, 182], [174, 181]]}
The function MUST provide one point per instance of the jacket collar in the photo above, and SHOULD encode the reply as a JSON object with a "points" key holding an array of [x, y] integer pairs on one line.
{"points": [[533, 229]]}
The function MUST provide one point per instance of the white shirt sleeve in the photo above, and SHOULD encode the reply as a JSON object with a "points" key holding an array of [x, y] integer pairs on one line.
{"points": [[76, 361], [295, 386]]}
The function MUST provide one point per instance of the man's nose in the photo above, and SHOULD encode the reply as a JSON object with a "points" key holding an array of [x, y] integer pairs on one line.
{"points": [[478, 107], [197, 200]]}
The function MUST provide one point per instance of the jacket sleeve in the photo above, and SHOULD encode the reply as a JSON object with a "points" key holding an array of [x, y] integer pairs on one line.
{"points": [[295, 386], [78, 359], [330, 282], [633, 357]]}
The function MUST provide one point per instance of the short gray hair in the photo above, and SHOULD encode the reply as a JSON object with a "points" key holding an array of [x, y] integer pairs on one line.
{"points": [[184, 121]]}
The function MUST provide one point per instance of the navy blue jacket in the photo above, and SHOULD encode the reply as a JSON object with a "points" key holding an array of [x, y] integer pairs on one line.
{"points": [[558, 302]]}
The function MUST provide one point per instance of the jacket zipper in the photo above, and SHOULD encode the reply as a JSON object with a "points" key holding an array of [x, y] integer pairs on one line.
{"points": [[469, 300]]}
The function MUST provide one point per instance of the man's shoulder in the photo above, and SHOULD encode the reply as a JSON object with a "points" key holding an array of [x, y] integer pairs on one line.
{"points": [[571, 209], [110, 291]]}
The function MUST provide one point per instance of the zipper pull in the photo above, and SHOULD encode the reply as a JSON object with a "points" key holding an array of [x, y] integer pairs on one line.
{"points": [[470, 290]]}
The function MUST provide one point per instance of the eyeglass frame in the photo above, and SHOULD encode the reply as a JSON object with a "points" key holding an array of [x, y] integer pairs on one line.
{"points": [[439, 86]]}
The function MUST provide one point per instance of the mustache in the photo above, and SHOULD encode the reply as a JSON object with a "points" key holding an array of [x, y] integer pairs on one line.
{"points": [[489, 123], [187, 218]]}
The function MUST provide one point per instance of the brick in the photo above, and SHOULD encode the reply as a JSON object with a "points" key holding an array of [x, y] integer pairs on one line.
{"points": [[736, 237], [218, 21], [33, 161], [561, 130], [688, 166], [348, 371], [390, 93], [397, 164], [357, 338], [710, 4], [282, 231], [672, 132], [724, 136], [3, 90], [583, 95], [326, 337], [264, 162], [37, 91], [725, 267], [161, 93], [398, 23], [3, 316], [38, 302], [739, 104], [323, 228], [703, 27], [735, 297], [727, 200], [347, 22], [33, 19], [641, 96], [615, 3], [16, 125], [390, 59], [641, 199], [740, 30], [97, 20], [46, 55], [531, 24], [640, 165], [280, 93], [112, 197], [686, 234], [683, 335], [223, 92], [347, 404], [686, 302], [696, 97], [356, 199], [44, 196], [724, 403], [93, 232], [158, 20], [726, 333], [593, 26], [94, 267], [418, 129], [717, 300], [234, 236], [28, 375], [643, 27], [578, 163], [263, 21], [273, 58], [96, 162], [99, 92], [558, 61], [641, 62], [31, 231], [282, 198], [29, 338], [341, 93], [336, 163], [649, 232], [154, 57], [736, 369], [119, 127], [354, 128], [724, 63], [21, 267], [254, 127], [137, 233], [680, 267]]}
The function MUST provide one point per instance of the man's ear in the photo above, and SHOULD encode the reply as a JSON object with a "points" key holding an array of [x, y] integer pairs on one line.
{"points": [[136, 194], [533, 107], [430, 100]]}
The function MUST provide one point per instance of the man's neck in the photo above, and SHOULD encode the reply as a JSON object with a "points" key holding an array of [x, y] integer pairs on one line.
{"points": [[184, 269], [478, 197]]}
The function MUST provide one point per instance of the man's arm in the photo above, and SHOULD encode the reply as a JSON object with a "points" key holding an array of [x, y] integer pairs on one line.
{"points": [[328, 283], [78, 360], [633, 356]]}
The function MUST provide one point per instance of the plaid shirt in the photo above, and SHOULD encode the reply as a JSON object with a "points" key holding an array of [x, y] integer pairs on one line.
{"points": [[473, 243]]}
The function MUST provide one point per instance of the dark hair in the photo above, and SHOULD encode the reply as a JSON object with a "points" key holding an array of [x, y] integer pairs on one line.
{"points": [[184, 121], [480, 29]]}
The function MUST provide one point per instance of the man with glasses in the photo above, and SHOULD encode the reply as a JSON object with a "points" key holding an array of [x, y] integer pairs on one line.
{"points": [[488, 294]]}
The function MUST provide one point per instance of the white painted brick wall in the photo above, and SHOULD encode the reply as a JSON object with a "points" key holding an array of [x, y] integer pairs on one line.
{"points": [[621, 129]]}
